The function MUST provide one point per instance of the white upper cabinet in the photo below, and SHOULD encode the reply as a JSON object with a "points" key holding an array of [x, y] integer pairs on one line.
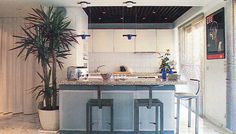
{"points": [[165, 40], [103, 40], [122, 44], [90, 41], [146, 40]]}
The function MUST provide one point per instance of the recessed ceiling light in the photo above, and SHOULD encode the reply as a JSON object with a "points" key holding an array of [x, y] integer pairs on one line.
{"points": [[84, 4]]}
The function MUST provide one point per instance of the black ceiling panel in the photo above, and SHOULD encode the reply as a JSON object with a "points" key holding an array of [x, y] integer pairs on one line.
{"points": [[137, 14]]}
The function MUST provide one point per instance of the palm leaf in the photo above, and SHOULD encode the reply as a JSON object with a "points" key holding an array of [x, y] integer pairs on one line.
{"points": [[46, 33]]}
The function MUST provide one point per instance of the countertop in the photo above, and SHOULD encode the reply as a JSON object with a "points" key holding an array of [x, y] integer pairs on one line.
{"points": [[128, 81], [133, 74]]}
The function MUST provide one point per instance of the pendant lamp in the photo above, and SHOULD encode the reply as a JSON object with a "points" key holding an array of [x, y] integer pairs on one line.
{"points": [[84, 5], [129, 35], [84, 36]]}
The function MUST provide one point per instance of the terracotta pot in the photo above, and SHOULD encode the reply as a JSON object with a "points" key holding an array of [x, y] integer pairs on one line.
{"points": [[49, 119]]}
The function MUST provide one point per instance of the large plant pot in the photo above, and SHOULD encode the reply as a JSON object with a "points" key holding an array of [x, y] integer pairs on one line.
{"points": [[49, 119]]}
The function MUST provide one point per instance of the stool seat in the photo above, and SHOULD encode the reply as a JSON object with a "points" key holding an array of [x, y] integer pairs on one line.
{"points": [[144, 102], [149, 103], [100, 102], [185, 95]]}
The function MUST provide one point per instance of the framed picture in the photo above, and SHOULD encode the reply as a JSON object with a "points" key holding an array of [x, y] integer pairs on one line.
{"points": [[215, 33]]}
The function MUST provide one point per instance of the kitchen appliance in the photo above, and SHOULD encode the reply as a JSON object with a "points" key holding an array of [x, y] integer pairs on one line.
{"points": [[123, 69], [77, 72]]}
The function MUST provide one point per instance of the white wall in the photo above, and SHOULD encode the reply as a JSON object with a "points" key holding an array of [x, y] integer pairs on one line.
{"points": [[79, 22], [214, 79], [139, 62], [136, 62], [215, 85]]}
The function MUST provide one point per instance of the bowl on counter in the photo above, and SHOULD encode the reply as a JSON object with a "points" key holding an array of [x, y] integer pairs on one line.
{"points": [[106, 76]]}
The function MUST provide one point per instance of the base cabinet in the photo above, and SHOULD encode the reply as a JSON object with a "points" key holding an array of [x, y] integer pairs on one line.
{"points": [[73, 110]]}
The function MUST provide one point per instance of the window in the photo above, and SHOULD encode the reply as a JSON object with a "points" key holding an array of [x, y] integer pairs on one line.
{"points": [[191, 50]]}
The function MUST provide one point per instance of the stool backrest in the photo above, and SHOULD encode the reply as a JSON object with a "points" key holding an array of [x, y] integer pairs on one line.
{"points": [[198, 85]]}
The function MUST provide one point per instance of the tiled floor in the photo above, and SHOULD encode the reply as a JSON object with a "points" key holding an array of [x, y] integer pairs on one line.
{"points": [[19, 124], [204, 126], [28, 124]]}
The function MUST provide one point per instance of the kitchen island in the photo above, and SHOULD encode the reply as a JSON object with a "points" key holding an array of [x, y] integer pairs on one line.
{"points": [[75, 94]]}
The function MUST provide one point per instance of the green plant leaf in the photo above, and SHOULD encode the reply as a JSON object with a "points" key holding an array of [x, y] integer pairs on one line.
{"points": [[46, 34]]}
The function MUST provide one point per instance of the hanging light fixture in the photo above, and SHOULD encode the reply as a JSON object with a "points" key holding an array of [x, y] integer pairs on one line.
{"points": [[84, 36], [84, 4], [129, 35], [129, 4]]}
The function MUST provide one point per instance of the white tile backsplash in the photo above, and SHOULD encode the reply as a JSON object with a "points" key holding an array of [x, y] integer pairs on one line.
{"points": [[135, 62]]}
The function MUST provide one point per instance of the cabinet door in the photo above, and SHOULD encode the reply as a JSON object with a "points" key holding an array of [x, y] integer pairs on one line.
{"points": [[165, 40], [90, 41], [145, 41], [103, 40], [73, 109], [122, 44], [123, 110]]}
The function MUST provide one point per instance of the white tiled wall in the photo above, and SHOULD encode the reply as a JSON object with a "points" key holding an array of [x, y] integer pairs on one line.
{"points": [[136, 62]]}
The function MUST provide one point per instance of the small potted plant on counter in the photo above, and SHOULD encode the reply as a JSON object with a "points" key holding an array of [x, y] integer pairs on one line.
{"points": [[46, 36], [166, 65]]}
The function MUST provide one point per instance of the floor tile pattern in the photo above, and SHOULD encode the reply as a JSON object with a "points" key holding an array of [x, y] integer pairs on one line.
{"points": [[29, 124]]}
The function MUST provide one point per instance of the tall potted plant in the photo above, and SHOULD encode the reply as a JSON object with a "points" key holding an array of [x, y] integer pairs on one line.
{"points": [[48, 37]]}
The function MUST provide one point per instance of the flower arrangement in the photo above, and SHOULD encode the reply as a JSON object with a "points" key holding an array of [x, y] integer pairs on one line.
{"points": [[166, 62]]}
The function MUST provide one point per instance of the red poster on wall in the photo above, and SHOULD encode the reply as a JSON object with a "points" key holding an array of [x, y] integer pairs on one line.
{"points": [[215, 33]]}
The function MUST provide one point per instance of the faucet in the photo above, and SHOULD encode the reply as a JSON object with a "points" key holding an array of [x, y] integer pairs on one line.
{"points": [[97, 69]]}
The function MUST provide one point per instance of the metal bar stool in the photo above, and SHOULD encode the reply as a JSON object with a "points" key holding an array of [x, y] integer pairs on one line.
{"points": [[149, 103], [99, 103], [189, 97]]}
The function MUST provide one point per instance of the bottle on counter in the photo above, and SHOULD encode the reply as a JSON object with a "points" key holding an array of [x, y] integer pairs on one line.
{"points": [[163, 73]]}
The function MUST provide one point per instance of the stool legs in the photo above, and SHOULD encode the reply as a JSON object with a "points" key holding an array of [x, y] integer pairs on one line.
{"points": [[90, 120], [189, 114], [87, 117], [162, 118], [189, 111], [157, 120], [177, 120], [136, 118], [197, 116], [98, 103], [111, 123]]}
